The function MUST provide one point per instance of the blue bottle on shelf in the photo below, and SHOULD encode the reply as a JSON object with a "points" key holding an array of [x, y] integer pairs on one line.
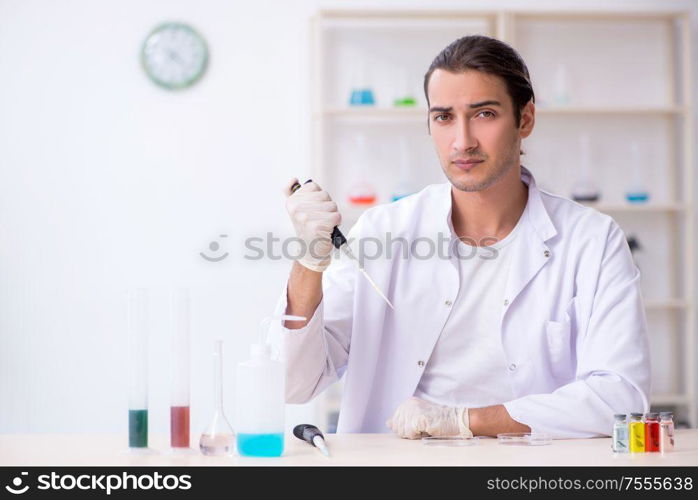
{"points": [[362, 97], [636, 191]]}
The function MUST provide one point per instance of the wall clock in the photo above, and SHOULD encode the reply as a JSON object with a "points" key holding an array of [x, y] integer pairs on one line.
{"points": [[174, 56]]}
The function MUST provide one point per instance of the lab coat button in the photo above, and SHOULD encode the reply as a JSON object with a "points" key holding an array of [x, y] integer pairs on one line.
{"points": [[546, 253], [506, 302], [512, 367], [420, 363], [448, 303]]}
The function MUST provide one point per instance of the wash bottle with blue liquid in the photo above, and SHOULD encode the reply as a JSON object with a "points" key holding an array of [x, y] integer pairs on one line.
{"points": [[260, 399]]}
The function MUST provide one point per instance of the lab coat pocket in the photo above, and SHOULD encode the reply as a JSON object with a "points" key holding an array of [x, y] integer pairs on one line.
{"points": [[559, 348]]}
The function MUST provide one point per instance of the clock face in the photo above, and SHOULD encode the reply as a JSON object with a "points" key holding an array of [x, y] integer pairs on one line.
{"points": [[174, 56]]}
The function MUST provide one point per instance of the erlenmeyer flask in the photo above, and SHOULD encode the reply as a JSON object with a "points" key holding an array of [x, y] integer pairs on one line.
{"points": [[219, 438], [403, 96]]}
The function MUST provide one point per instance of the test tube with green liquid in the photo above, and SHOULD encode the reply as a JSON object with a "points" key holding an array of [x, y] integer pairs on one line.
{"points": [[138, 369]]}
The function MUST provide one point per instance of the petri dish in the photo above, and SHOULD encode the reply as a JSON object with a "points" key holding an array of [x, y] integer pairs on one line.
{"points": [[524, 439], [449, 441]]}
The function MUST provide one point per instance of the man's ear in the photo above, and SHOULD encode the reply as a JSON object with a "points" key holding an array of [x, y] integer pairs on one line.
{"points": [[528, 119]]}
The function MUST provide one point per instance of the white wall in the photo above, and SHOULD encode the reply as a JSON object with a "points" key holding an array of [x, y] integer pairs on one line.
{"points": [[109, 183]]}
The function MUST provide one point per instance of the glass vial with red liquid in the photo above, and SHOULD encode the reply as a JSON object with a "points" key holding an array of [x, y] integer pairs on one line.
{"points": [[652, 432]]}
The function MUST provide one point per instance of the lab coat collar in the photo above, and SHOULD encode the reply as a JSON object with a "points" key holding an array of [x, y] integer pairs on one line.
{"points": [[538, 216]]}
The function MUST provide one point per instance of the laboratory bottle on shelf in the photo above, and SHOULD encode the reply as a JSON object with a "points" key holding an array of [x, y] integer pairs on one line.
{"points": [[638, 252], [404, 98], [620, 434], [362, 97], [405, 185], [666, 431], [561, 92], [585, 189], [260, 399], [361, 192], [218, 439], [636, 191], [361, 92]]}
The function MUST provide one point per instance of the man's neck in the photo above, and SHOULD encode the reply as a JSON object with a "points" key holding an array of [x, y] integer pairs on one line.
{"points": [[491, 213]]}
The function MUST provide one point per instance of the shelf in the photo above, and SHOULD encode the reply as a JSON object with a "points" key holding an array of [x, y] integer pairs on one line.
{"points": [[609, 102], [375, 113], [599, 15], [405, 23], [656, 304], [419, 113], [640, 207], [352, 212], [581, 110], [420, 15]]}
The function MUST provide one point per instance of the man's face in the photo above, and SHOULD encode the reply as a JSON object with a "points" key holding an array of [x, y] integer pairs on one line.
{"points": [[471, 118]]}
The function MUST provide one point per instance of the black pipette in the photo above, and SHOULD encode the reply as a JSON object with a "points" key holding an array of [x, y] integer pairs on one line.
{"points": [[312, 435], [340, 243]]}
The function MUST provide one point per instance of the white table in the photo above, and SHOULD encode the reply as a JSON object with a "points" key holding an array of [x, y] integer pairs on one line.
{"points": [[346, 449]]}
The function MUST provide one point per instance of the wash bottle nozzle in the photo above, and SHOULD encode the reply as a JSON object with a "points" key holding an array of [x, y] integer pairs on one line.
{"points": [[262, 348]]}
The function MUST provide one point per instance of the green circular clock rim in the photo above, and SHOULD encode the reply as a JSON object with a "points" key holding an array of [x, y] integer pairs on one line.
{"points": [[186, 83]]}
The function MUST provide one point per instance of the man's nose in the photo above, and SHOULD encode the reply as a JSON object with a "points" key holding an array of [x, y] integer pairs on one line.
{"points": [[465, 138]]}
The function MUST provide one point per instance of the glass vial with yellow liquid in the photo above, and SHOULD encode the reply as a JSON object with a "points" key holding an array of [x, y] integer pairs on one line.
{"points": [[637, 433]]}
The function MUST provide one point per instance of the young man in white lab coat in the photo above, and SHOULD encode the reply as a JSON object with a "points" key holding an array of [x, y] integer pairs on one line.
{"points": [[530, 320]]}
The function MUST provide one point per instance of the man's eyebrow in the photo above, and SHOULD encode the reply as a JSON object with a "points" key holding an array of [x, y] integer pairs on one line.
{"points": [[485, 103], [443, 109]]}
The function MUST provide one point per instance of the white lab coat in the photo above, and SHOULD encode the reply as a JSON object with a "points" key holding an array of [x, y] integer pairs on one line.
{"points": [[573, 327]]}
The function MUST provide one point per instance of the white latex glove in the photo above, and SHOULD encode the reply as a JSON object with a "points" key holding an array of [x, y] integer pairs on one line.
{"points": [[314, 216], [416, 418]]}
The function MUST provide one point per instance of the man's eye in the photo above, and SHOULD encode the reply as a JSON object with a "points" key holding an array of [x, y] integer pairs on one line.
{"points": [[441, 117], [490, 114]]}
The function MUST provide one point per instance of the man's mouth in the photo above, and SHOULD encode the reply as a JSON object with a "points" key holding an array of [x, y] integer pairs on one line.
{"points": [[466, 163]]}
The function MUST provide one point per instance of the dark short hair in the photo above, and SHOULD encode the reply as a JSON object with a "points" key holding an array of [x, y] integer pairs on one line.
{"points": [[491, 56]]}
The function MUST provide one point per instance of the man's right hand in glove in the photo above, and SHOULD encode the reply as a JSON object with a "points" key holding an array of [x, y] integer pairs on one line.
{"points": [[314, 216]]}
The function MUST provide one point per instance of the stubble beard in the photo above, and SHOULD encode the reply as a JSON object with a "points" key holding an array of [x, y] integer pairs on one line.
{"points": [[497, 173]]}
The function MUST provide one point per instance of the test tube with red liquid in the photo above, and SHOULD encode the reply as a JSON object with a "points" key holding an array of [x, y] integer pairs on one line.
{"points": [[180, 395]]}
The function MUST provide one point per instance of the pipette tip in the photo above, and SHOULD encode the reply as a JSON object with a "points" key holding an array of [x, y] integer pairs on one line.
{"points": [[320, 444]]}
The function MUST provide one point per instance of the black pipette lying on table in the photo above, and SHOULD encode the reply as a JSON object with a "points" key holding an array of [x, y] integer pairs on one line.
{"points": [[312, 435], [340, 243]]}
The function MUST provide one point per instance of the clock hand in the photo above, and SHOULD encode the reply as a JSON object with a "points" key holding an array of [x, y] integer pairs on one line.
{"points": [[173, 56]]}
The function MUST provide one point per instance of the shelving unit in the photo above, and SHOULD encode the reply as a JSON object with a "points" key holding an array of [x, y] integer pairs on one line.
{"points": [[610, 96]]}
